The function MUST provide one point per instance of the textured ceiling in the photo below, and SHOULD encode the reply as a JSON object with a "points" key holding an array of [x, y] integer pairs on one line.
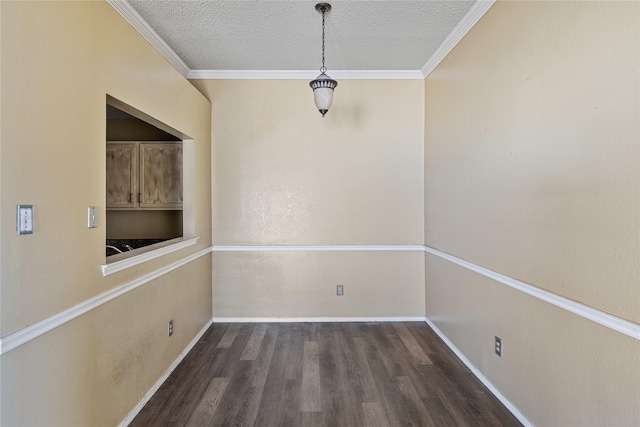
{"points": [[286, 35]]}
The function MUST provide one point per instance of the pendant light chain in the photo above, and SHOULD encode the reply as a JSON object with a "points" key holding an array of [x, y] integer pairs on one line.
{"points": [[323, 85], [323, 70]]}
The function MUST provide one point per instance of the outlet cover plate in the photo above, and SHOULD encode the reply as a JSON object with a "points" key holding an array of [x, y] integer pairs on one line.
{"points": [[92, 217], [340, 290], [498, 346], [24, 219]]}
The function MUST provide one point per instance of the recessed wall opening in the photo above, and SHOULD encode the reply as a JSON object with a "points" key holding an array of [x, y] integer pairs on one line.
{"points": [[147, 201]]}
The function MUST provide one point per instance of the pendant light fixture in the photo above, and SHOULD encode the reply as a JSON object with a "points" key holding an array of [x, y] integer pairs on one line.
{"points": [[323, 85]]}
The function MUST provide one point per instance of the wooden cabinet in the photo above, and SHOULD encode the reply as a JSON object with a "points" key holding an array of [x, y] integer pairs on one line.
{"points": [[121, 175], [160, 175], [144, 175]]}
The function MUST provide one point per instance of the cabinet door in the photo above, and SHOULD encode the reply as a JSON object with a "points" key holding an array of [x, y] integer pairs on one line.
{"points": [[161, 175], [121, 175]]}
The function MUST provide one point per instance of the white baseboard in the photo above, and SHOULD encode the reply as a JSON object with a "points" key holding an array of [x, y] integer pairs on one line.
{"points": [[484, 380], [314, 319], [164, 377]]}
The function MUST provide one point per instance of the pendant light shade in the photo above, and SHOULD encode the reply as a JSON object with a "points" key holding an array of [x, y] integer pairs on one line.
{"points": [[323, 85]]}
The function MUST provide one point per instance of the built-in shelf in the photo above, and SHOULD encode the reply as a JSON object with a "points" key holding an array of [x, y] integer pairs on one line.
{"points": [[147, 253]]}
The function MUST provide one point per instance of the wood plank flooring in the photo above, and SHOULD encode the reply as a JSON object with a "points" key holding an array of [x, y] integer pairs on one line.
{"points": [[322, 374]]}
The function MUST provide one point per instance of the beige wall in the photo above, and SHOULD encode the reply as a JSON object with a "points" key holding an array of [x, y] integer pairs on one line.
{"points": [[283, 175], [303, 284], [59, 61], [532, 169], [143, 224]]}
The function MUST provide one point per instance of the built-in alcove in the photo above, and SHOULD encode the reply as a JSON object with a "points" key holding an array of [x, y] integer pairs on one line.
{"points": [[145, 189]]}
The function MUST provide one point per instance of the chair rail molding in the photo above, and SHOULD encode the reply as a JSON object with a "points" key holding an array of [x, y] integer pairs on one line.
{"points": [[605, 319], [24, 335]]}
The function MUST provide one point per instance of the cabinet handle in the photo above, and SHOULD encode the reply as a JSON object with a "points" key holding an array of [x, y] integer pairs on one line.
{"points": [[139, 197], [130, 197]]}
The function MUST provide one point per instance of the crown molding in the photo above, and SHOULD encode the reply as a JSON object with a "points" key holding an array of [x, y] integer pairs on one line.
{"points": [[474, 14], [303, 74], [479, 8], [129, 13]]}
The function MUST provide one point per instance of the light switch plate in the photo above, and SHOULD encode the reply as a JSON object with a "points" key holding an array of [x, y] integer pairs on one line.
{"points": [[24, 219], [92, 217]]}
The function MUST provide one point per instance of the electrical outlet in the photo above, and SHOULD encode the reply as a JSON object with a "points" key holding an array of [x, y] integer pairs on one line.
{"points": [[170, 328], [340, 290], [498, 346]]}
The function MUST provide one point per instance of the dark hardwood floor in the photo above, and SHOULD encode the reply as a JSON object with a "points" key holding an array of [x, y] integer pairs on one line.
{"points": [[322, 374]]}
